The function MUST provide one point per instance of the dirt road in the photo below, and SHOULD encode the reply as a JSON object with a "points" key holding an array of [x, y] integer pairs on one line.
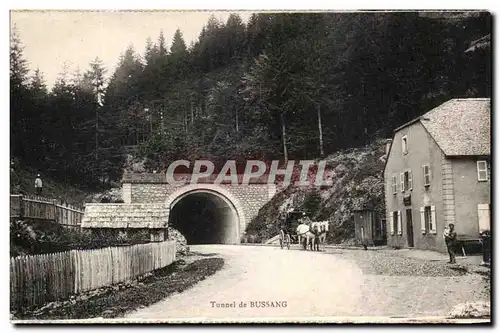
{"points": [[267, 282], [303, 283]]}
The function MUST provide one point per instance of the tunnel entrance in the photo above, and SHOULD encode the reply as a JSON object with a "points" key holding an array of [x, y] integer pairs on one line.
{"points": [[205, 218]]}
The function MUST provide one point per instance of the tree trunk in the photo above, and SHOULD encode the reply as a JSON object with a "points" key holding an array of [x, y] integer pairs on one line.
{"points": [[237, 127], [96, 132], [150, 123], [137, 132], [283, 134], [320, 131], [192, 114]]}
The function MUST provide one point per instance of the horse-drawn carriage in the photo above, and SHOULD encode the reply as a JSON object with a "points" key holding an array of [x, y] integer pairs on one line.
{"points": [[296, 225], [289, 221]]}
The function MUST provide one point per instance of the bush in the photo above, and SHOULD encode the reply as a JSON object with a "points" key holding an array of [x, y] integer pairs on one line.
{"points": [[312, 203], [29, 237]]}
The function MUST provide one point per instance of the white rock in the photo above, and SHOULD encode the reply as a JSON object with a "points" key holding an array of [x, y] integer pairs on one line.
{"points": [[471, 310]]}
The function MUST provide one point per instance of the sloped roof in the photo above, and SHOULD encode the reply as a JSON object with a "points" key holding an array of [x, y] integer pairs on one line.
{"points": [[461, 127], [120, 215]]}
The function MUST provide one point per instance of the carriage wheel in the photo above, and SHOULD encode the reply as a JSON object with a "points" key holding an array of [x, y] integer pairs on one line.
{"points": [[288, 241]]}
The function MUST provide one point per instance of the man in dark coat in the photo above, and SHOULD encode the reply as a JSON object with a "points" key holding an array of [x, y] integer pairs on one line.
{"points": [[451, 239], [486, 245]]}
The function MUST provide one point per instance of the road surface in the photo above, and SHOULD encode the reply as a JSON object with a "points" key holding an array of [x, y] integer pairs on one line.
{"points": [[309, 284], [261, 283]]}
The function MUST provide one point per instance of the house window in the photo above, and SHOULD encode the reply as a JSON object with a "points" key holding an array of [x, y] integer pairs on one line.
{"points": [[394, 184], [396, 223], [402, 181], [408, 180], [482, 171], [427, 175], [428, 219], [404, 144]]}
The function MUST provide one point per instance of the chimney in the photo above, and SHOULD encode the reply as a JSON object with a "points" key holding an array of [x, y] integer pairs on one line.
{"points": [[388, 144]]}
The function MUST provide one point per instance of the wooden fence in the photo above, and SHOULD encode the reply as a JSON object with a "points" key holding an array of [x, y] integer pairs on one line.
{"points": [[38, 279], [36, 207]]}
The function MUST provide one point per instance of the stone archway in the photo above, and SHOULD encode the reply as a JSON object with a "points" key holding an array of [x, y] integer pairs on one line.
{"points": [[206, 213]]}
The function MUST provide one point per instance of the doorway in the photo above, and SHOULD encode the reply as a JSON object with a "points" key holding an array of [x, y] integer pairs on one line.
{"points": [[409, 227]]}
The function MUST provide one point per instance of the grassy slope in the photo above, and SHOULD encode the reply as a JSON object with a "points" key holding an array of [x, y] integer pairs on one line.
{"points": [[358, 182], [22, 181], [116, 300]]}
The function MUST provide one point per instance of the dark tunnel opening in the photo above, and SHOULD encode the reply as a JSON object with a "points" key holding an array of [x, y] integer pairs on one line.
{"points": [[205, 218]]}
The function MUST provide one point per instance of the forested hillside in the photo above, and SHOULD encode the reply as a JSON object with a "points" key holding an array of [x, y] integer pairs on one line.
{"points": [[357, 183], [280, 86]]}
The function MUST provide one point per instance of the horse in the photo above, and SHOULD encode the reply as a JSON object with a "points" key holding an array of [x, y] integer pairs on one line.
{"points": [[323, 229], [303, 230], [315, 229], [303, 221]]}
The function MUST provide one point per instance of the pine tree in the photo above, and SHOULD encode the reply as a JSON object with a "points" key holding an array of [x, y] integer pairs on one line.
{"points": [[18, 65], [178, 47], [95, 81], [20, 107], [162, 46], [151, 52], [234, 32], [37, 84]]}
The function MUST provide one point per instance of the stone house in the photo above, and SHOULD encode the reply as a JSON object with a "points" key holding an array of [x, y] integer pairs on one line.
{"points": [[437, 172]]}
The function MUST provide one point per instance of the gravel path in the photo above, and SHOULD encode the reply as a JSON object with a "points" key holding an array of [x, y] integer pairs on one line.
{"points": [[396, 285], [328, 284]]}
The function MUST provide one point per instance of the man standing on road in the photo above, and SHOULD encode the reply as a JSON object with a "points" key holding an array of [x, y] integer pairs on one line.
{"points": [[486, 245], [450, 240], [38, 185]]}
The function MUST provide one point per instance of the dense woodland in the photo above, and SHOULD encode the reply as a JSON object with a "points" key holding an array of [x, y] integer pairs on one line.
{"points": [[280, 86]]}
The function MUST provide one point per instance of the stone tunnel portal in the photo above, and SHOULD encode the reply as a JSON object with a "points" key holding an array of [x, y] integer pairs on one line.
{"points": [[205, 217]]}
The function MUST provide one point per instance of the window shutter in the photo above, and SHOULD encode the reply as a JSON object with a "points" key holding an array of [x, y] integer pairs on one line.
{"points": [[410, 180], [400, 231], [391, 223], [433, 215], [483, 214], [422, 219], [402, 180]]}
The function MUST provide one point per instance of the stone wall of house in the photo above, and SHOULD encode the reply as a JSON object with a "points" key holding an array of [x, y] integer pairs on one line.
{"points": [[469, 192], [422, 150]]}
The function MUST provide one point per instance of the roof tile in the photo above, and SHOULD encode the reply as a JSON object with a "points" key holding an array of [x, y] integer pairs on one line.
{"points": [[153, 215], [461, 127]]}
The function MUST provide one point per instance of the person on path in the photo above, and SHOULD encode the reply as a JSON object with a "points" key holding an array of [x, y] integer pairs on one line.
{"points": [[38, 185], [486, 246], [450, 240], [446, 232]]}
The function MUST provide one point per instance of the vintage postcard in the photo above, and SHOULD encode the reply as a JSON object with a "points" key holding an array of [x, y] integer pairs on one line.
{"points": [[250, 166]]}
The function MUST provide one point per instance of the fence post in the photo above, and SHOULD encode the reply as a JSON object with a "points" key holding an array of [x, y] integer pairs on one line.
{"points": [[54, 205], [21, 206]]}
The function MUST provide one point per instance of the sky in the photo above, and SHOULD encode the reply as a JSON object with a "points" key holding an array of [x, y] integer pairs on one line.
{"points": [[52, 38]]}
